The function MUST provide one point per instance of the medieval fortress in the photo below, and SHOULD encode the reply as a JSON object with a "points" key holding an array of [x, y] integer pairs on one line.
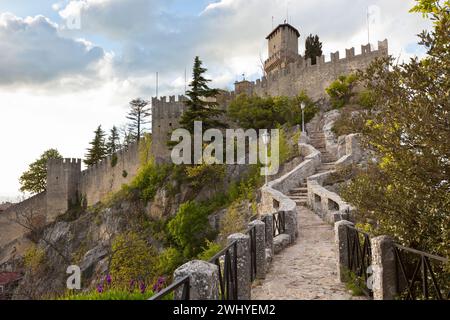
{"points": [[287, 73]]}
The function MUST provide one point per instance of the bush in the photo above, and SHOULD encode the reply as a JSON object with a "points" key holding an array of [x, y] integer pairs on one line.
{"points": [[113, 294], [341, 90], [351, 120], [269, 112], [168, 261], [211, 249], [132, 259], [34, 258], [149, 179], [190, 228]]}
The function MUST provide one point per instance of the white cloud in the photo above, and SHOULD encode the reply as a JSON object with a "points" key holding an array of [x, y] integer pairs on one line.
{"points": [[33, 52]]}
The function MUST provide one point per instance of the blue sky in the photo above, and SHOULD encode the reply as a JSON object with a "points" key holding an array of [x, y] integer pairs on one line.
{"points": [[62, 83]]}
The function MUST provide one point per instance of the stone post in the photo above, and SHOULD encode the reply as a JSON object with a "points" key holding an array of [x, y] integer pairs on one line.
{"points": [[340, 234], [260, 228], [243, 264], [384, 268], [203, 280], [291, 225], [268, 219]]}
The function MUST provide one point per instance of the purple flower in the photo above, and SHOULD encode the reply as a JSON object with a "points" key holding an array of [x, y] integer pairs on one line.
{"points": [[108, 279], [142, 287], [132, 283], [159, 284], [100, 288]]}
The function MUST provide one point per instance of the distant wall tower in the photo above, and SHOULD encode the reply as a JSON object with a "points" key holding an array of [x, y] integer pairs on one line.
{"points": [[63, 177], [283, 47]]}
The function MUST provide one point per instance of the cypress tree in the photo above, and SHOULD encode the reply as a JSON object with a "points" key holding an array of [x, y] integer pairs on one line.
{"points": [[313, 48], [97, 151]]}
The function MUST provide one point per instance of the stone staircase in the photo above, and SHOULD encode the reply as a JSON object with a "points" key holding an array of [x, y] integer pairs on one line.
{"points": [[300, 195], [317, 140]]}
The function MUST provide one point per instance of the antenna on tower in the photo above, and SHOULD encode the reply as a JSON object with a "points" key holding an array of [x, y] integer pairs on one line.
{"points": [[272, 21]]}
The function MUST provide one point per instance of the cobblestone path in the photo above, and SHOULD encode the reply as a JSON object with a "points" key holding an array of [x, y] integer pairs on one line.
{"points": [[307, 270]]}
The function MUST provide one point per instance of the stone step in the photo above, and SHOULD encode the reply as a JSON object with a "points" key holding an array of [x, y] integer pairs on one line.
{"points": [[300, 189]]}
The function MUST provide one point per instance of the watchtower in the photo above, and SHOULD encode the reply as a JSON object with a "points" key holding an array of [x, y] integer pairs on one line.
{"points": [[283, 47], [63, 177]]}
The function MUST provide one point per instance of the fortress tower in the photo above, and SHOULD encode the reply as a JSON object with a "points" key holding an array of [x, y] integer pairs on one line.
{"points": [[63, 178], [283, 47]]}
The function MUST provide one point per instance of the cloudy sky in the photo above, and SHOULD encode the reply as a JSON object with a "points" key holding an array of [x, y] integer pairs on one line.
{"points": [[68, 66]]}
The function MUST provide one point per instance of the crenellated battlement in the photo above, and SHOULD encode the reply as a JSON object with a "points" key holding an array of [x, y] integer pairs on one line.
{"points": [[168, 107], [303, 75]]}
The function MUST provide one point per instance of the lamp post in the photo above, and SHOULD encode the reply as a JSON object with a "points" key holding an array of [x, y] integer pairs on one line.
{"points": [[266, 140], [303, 106]]}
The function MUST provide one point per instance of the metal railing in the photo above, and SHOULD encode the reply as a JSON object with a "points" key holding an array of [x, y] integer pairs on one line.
{"points": [[359, 255], [416, 277], [253, 266], [279, 223], [226, 261], [165, 293]]}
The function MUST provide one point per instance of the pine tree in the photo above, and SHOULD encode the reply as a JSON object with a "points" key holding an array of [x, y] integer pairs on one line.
{"points": [[113, 143], [138, 115], [98, 150], [35, 179], [200, 104], [313, 48]]}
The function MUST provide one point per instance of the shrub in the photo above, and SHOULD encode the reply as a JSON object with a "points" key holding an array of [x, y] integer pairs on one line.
{"points": [[34, 258], [168, 261], [113, 294], [149, 179], [351, 120], [211, 249], [341, 90], [190, 228], [132, 258]]}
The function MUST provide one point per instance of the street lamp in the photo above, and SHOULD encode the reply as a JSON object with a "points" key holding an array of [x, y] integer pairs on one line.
{"points": [[266, 139], [303, 106]]}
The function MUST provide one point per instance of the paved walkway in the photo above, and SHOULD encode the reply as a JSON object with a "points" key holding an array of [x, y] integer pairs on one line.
{"points": [[306, 270]]}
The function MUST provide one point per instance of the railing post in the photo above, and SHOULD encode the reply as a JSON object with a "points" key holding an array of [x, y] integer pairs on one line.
{"points": [[203, 280], [342, 250], [384, 268], [260, 229], [243, 264], [291, 225], [268, 220]]}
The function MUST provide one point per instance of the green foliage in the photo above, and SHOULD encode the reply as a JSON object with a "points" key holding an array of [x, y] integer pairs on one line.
{"points": [[34, 258], [313, 48], [112, 294], [97, 151], [354, 284], [211, 249], [124, 173], [366, 99], [205, 174], [34, 180], [190, 228], [234, 221], [113, 144], [149, 179], [168, 261], [351, 120], [407, 190], [269, 112], [341, 90], [200, 103], [114, 160], [132, 259], [145, 147]]}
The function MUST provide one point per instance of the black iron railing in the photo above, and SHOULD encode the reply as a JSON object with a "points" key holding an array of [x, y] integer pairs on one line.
{"points": [[417, 278], [226, 261], [359, 255], [170, 291], [279, 223], [253, 266]]}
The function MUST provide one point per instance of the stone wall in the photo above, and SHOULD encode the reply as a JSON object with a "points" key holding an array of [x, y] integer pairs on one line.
{"points": [[12, 240], [314, 79], [104, 178]]}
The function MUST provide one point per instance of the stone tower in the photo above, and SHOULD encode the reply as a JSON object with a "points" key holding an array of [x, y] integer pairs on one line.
{"points": [[63, 177], [283, 47]]}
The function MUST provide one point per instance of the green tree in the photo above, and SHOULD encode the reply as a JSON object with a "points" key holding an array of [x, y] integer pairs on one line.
{"points": [[407, 191], [201, 103], [138, 115], [35, 178], [313, 48], [97, 151], [341, 90], [113, 144]]}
